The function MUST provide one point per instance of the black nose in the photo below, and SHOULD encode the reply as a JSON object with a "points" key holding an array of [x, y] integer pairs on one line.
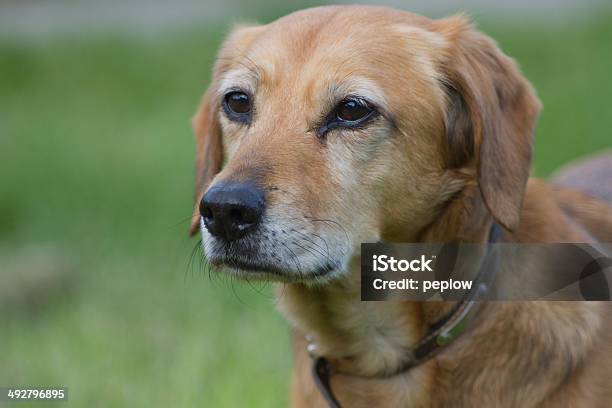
{"points": [[232, 210]]}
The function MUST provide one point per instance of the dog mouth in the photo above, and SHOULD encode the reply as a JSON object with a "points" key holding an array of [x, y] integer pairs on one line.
{"points": [[254, 267], [279, 250], [248, 263]]}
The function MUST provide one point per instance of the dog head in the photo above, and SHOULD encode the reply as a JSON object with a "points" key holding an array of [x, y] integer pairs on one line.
{"points": [[342, 125]]}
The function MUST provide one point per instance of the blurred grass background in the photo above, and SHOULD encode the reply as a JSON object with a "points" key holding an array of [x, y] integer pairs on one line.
{"points": [[96, 289]]}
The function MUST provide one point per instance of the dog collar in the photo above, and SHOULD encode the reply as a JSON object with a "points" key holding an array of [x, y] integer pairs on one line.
{"points": [[440, 334]]}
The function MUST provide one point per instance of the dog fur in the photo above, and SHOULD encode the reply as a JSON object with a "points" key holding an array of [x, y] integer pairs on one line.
{"points": [[449, 154]]}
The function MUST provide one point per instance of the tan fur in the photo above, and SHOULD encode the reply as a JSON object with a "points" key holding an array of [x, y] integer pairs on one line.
{"points": [[449, 154]]}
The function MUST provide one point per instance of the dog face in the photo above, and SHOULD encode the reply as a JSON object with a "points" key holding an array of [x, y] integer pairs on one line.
{"points": [[342, 125]]}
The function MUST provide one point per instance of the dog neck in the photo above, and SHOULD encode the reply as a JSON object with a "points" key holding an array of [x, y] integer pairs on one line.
{"points": [[371, 338]]}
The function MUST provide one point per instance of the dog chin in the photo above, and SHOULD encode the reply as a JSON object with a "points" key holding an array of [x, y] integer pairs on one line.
{"points": [[313, 278], [261, 269]]}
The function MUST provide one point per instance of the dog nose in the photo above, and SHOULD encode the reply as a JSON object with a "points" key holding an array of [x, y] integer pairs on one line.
{"points": [[232, 210]]}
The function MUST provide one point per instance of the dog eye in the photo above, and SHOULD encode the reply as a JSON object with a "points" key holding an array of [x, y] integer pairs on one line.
{"points": [[237, 105], [353, 110], [351, 113]]}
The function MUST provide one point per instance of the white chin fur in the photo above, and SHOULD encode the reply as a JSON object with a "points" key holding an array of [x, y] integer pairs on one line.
{"points": [[281, 253]]}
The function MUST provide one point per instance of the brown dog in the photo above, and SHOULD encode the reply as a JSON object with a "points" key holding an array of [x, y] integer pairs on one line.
{"points": [[343, 125]]}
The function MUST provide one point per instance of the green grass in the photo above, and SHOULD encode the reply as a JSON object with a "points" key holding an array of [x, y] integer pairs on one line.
{"points": [[96, 167]]}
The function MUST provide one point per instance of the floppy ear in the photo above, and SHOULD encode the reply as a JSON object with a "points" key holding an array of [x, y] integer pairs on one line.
{"points": [[490, 118], [209, 152]]}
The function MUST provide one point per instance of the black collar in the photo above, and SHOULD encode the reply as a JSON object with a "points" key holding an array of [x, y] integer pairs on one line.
{"points": [[439, 335]]}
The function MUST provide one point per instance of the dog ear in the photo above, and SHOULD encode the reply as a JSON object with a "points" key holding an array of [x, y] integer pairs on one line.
{"points": [[209, 152], [490, 119]]}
